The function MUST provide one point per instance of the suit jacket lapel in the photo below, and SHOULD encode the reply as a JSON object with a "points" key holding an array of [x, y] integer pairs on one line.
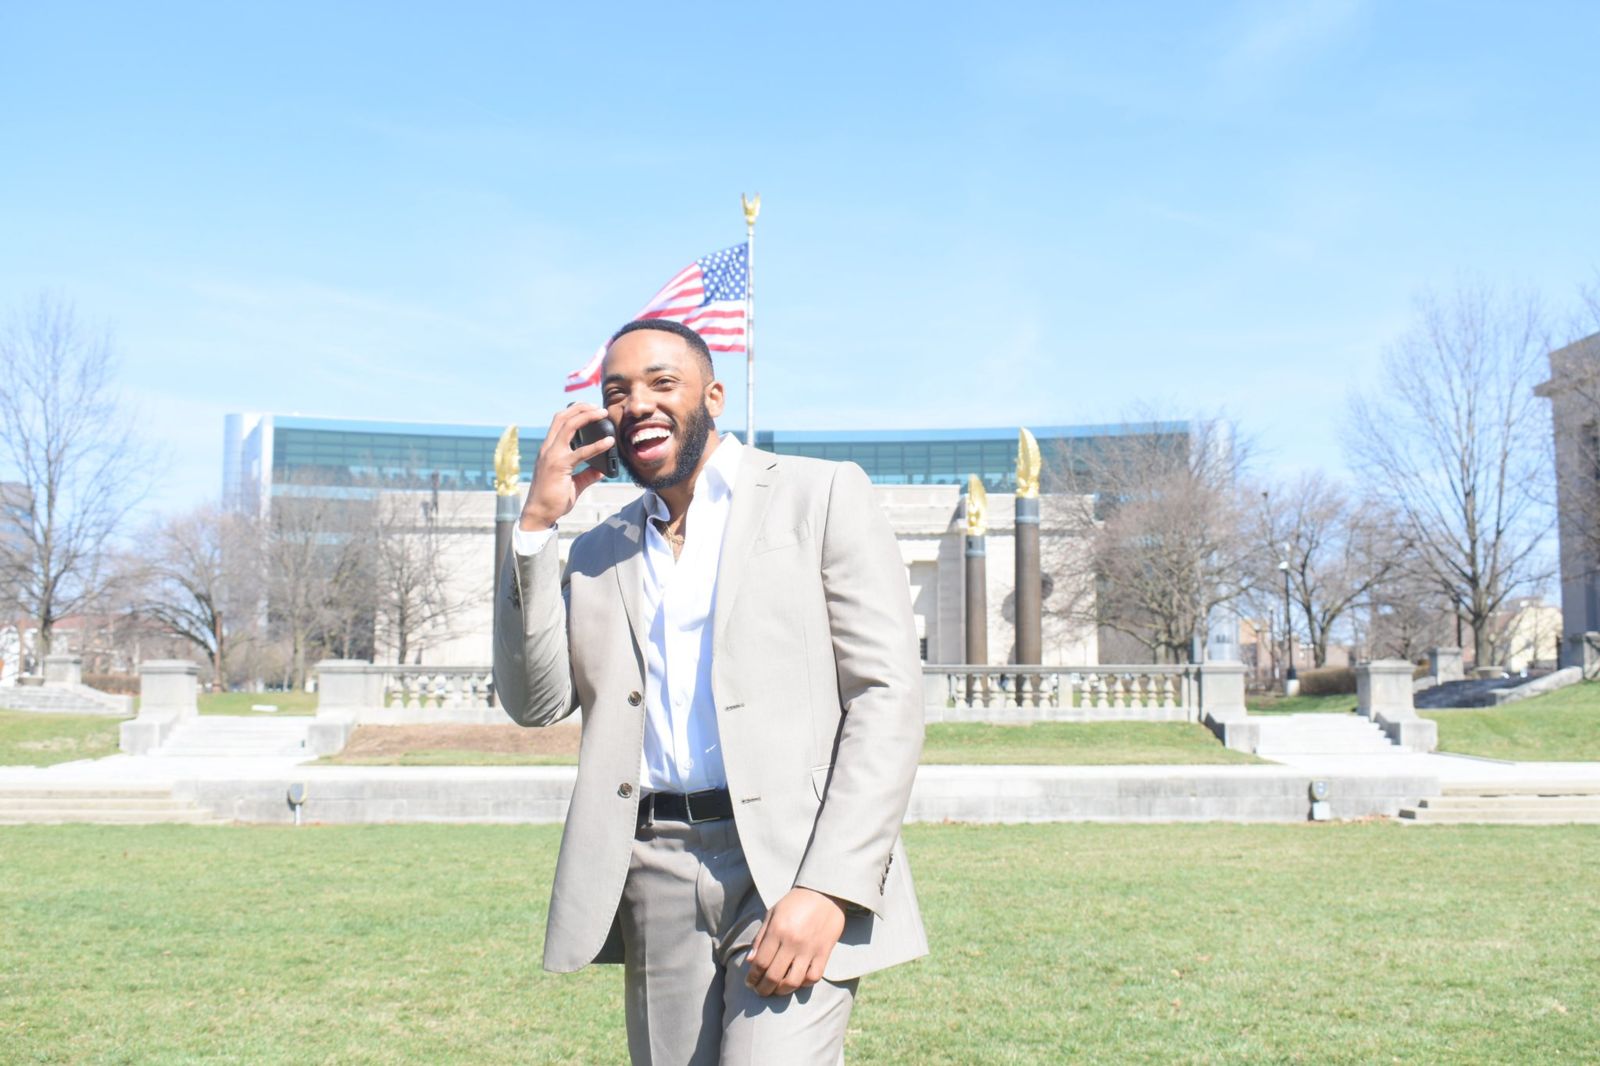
{"points": [[757, 473], [627, 548]]}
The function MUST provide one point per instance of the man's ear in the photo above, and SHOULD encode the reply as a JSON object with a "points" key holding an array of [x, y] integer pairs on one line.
{"points": [[715, 398]]}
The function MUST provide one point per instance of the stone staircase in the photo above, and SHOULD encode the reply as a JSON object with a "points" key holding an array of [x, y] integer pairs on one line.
{"points": [[63, 699], [1319, 734], [237, 737], [1525, 804], [125, 805]]}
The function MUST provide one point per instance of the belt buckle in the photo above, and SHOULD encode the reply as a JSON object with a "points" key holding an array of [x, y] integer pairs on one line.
{"points": [[688, 804]]}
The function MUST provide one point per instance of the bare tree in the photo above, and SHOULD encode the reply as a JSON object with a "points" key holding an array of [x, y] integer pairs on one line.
{"points": [[1454, 443], [204, 582], [1407, 613], [413, 572], [69, 449], [316, 548], [1170, 540], [1336, 550]]}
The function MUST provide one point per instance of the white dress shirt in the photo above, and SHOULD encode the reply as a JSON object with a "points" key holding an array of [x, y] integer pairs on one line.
{"points": [[682, 750]]}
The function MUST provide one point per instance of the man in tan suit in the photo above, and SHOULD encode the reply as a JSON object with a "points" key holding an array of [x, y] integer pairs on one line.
{"points": [[741, 644]]}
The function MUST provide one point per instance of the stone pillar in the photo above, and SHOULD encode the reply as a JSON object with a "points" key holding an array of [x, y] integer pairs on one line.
{"points": [[63, 670], [1222, 691], [1222, 708], [977, 647], [1587, 654], [348, 686], [506, 512], [345, 688], [169, 691], [1444, 664], [1027, 598], [1383, 694], [169, 687]]}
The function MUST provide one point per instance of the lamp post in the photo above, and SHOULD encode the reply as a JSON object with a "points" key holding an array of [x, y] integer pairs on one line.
{"points": [[1291, 682]]}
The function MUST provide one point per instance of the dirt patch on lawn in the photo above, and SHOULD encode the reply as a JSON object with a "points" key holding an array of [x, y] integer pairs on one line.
{"points": [[392, 741]]}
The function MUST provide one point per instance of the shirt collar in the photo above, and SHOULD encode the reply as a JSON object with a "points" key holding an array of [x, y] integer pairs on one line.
{"points": [[717, 477]]}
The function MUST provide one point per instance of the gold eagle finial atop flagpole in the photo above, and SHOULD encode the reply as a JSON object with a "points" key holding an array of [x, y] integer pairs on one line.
{"points": [[977, 507], [752, 207], [1028, 463], [507, 463]]}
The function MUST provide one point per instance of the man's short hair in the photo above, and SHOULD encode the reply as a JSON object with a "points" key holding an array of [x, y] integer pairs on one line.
{"points": [[696, 343]]}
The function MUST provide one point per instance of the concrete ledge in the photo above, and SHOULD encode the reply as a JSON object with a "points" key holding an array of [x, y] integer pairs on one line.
{"points": [[1236, 735], [344, 794], [144, 734], [1560, 679], [328, 734], [1412, 734]]}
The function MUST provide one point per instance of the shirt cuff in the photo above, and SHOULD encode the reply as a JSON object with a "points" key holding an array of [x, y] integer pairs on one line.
{"points": [[530, 542]]}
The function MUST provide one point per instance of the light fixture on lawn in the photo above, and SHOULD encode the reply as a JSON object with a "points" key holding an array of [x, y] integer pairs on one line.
{"points": [[297, 799]]}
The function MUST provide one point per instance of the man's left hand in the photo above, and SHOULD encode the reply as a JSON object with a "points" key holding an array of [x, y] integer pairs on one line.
{"points": [[792, 946]]}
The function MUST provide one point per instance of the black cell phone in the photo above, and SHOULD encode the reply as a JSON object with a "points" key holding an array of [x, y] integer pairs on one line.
{"points": [[607, 461]]}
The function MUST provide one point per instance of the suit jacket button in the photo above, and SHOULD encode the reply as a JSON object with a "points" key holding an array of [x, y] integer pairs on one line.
{"points": [[634, 699], [624, 790]]}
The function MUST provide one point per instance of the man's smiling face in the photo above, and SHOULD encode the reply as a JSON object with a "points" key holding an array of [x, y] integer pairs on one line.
{"points": [[659, 394]]}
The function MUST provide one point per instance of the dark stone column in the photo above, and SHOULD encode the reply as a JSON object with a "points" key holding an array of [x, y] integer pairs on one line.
{"points": [[1028, 598], [977, 652], [507, 509]]}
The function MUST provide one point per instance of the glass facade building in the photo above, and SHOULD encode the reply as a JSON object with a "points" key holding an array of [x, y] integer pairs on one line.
{"points": [[270, 454]]}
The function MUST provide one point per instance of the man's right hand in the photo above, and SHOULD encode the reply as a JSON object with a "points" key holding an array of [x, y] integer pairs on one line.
{"points": [[556, 478]]}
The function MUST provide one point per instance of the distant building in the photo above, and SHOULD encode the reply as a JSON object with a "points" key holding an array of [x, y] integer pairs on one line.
{"points": [[265, 453], [1574, 394], [1525, 634], [920, 477]]}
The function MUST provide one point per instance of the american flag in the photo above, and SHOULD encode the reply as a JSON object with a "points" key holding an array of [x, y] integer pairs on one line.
{"points": [[707, 296]]}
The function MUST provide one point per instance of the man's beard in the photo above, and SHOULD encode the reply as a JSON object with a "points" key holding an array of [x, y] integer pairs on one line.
{"points": [[691, 446]]}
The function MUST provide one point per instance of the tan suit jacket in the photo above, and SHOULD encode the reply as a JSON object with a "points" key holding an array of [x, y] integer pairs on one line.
{"points": [[817, 684]]}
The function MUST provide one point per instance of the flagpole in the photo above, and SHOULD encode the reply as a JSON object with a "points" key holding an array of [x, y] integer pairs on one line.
{"points": [[752, 208]]}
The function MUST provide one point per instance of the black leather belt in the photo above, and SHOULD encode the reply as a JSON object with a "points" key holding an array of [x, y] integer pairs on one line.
{"points": [[709, 805]]}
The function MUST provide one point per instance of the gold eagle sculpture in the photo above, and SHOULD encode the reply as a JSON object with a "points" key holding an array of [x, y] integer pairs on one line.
{"points": [[752, 208], [1028, 464], [507, 463], [977, 507]]}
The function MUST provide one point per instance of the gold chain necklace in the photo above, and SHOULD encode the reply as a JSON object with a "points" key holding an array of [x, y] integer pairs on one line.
{"points": [[672, 530]]}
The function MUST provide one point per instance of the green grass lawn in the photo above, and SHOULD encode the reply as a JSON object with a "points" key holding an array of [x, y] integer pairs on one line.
{"points": [[241, 702], [1350, 943], [1560, 726], [451, 757], [1077, 743], [28, 739], [1069, 743], [1264, 703]]}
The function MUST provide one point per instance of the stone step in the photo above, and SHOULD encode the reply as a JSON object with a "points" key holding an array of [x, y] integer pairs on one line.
{"points": [[1511, 803], [236, 736], [132, 805], [1554, 816], [95, 816], [1526, 788], [103, 803], [77, 792]]}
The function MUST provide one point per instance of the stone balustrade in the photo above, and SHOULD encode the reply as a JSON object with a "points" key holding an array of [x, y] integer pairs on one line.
{"points": [[352, 692], [968, 693]]}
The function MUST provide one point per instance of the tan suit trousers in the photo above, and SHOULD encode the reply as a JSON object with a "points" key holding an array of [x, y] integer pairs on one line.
{"points": [[690, 912]]}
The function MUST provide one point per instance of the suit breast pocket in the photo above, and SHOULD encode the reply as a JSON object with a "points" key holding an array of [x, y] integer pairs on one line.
{"points": [[782, 537]]}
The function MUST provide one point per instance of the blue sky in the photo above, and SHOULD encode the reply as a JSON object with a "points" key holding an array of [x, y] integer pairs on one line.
{"points": [[973, 214]]}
